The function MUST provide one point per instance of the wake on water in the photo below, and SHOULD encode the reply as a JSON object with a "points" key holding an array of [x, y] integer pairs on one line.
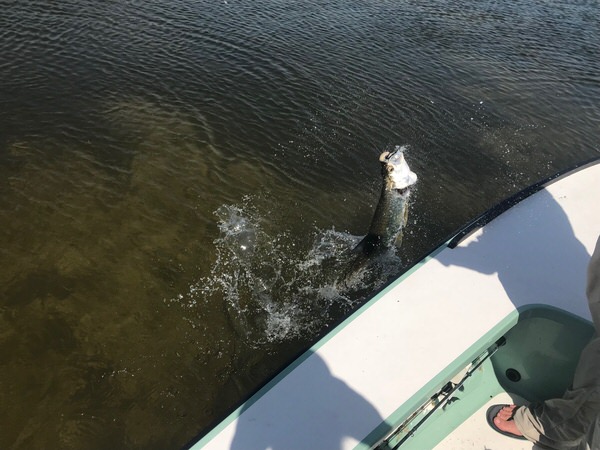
{"points": [[276, 288]]}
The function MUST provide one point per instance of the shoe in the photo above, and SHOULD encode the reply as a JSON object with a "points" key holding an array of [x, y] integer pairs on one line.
{"points": [[491, 414]]}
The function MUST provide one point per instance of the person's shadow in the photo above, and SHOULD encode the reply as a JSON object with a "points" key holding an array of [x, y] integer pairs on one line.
{"points": [[540, 260], [312, 409]]}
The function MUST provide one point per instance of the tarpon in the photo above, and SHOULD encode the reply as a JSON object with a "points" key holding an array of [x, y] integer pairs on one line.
{"points": [[391, 213]]}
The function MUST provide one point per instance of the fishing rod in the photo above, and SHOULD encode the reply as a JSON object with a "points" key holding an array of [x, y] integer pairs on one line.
{"points": [[446, 391]]}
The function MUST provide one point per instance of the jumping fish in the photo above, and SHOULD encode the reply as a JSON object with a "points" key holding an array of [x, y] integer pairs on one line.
{"points": [[391, 213]]}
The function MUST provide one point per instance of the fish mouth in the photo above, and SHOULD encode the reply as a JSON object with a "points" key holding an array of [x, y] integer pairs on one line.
{"points": [[396, 169]]}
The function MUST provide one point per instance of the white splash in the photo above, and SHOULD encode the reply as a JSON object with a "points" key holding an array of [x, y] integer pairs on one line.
{"points": [[276, 288]]}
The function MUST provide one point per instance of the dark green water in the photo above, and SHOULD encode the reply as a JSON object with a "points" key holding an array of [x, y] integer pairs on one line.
{"points": [[178, 178]]}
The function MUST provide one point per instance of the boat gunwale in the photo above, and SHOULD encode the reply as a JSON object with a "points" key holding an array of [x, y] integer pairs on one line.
{"points": [[513, 200]]}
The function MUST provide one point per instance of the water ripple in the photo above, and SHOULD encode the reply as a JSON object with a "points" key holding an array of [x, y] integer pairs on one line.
{"points": [[124, 125]]}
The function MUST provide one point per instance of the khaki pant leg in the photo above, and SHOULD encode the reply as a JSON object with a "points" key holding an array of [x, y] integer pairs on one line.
{"points": [[568, 422], [593, 287]]}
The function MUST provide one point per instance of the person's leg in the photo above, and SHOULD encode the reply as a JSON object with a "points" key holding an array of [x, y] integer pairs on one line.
{"points": [[593, 286], [565, 422]]}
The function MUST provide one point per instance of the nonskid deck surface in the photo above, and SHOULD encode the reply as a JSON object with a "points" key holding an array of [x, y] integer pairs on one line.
{"points": [[476, 434]]}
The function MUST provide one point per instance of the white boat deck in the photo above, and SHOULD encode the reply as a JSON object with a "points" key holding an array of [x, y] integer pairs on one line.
{"points": [[359, 375]]}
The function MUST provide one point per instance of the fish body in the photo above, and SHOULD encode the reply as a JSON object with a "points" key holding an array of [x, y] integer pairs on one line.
{"points": [[391, 213]]}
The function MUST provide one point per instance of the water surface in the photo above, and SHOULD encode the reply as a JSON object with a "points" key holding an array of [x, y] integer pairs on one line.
{"points": [[179, 182]]}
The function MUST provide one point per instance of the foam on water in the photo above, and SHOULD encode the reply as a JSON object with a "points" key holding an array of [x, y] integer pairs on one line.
{"points": [[277, 286]]}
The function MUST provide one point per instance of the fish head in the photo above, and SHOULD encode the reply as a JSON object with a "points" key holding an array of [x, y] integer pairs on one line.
{"points": [[396, 172]]}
